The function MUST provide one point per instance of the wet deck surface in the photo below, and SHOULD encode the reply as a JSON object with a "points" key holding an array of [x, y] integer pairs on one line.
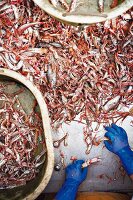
{"points": [[110, 164]]}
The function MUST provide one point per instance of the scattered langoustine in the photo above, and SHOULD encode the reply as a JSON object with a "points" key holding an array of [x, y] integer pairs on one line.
{"points": [[56, 143], [119, 173], [91, 161], [87, 162], [77, 75]]}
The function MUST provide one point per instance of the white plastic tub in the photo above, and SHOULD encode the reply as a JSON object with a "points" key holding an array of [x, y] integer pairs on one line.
{"points": [[33, 188]]}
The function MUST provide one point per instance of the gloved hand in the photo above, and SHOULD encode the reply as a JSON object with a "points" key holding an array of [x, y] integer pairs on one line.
{"points": [[118, 144], [75, 175]]}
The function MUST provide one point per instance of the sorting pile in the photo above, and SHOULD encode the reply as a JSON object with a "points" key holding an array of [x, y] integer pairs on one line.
{"points": [[22, 146], [86, 71]]}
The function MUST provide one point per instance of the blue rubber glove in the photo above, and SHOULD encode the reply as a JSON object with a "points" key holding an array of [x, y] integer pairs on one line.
{"points": [[75, 175], [118, 144]]}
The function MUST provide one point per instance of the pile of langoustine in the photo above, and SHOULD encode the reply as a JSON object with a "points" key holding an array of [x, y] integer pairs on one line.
{"points": [[22, 146], [85, 71]]}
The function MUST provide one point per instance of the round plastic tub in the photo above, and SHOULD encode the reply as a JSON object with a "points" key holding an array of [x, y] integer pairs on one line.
{"points": [[33, 188], [83, 13]]}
